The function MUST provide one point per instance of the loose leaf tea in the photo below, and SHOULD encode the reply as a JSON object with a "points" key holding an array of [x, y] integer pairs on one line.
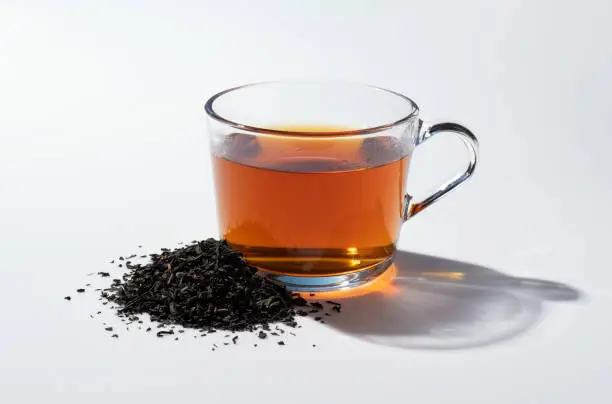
{"points": [[206, 285]]}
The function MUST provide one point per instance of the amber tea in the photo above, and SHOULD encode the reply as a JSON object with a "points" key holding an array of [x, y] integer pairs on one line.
{"points": [[308, 206], [319, 208]]}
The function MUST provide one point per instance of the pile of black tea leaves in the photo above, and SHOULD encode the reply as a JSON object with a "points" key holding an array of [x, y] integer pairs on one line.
{"points": [[207, 286], [203, 285]]}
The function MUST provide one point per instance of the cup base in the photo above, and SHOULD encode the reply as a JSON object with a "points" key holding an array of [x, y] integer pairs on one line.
{"points": [[329, 283]]}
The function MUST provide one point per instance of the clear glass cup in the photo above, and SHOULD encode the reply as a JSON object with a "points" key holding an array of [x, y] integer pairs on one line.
{"points": [[310, 177]]}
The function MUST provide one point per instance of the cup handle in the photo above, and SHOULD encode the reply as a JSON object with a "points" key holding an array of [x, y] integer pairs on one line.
{"points": [[470, 142]]}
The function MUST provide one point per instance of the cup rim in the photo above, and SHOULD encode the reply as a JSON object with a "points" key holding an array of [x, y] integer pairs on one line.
{"points": [[209, 108]]}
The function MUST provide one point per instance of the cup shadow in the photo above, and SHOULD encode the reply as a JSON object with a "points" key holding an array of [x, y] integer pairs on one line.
{"points": [[437, 303]]}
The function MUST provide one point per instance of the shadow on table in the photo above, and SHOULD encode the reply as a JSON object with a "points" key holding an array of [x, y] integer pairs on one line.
{"points": [[436, 303]]}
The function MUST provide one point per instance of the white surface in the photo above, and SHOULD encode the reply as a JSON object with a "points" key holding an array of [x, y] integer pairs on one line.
{"points": [[102, 147]]}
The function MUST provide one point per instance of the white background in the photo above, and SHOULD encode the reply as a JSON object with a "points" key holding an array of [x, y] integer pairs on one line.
{"points": [[103, 147]]}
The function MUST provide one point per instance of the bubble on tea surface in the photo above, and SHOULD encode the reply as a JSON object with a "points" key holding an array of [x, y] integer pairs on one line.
{"points": [[241, 147], [378, 151]]}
